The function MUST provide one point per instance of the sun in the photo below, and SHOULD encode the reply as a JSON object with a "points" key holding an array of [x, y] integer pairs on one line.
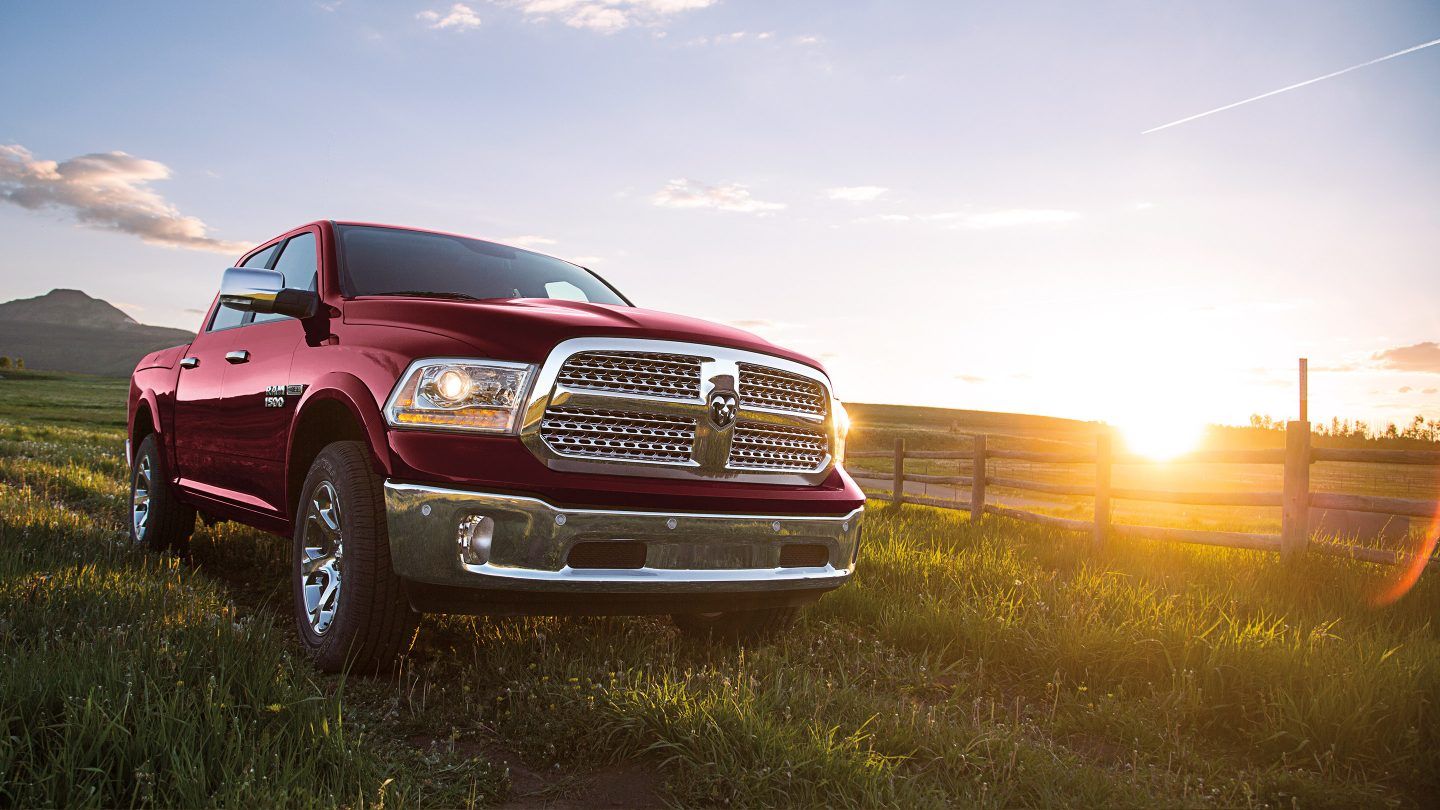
{"points": [[1161, 438]]}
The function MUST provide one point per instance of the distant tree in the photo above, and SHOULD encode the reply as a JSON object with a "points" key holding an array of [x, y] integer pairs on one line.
{"points": [[19, 362], [4, 361]]}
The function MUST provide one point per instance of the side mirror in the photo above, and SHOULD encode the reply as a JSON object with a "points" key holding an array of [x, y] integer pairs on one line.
{"points": [[250, 289]]}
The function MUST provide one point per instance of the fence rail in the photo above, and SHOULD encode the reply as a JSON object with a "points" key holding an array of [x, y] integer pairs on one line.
{"points": [[1294, 501]]}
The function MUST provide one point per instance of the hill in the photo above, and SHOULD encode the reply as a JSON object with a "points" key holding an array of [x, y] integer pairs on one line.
{"points": [[67, 330]]}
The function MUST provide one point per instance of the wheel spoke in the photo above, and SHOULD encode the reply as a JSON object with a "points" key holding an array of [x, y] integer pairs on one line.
{"points": [[317, 560], [320, 560]]}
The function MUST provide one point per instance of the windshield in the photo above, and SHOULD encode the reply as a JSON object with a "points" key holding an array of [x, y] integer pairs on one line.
{"points": [[393, 261]]}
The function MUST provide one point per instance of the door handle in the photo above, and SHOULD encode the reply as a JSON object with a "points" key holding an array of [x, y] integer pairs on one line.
{"points": [[237, 356], [189, 362]]}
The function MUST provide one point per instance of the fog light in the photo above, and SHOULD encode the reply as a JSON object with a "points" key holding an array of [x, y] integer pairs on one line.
{"points": [[474, 535]]}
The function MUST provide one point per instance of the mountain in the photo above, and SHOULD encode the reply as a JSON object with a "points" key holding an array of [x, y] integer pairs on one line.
{"points": [[67, 330]]}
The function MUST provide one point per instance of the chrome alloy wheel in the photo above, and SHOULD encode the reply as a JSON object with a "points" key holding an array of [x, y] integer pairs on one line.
{"points": [[140, 498], [321, 561]]}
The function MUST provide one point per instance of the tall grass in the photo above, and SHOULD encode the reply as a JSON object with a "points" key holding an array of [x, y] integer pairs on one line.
{"points": [[991, 665]]}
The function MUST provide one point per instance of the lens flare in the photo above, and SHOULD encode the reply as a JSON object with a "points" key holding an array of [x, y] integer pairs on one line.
{"points": [[1408, 574], [1161, 438]]}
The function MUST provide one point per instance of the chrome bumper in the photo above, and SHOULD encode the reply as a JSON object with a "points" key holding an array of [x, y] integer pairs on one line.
{"points": [[685, 552]]}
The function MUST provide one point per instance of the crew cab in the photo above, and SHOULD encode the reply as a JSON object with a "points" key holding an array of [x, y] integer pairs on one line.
{"points": [[444, 424]]}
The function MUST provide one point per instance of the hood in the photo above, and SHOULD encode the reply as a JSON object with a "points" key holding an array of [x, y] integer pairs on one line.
{"points": [[526, 329]]}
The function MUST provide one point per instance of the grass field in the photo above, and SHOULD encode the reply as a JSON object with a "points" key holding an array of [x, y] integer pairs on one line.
{"points": [[993, 665]]}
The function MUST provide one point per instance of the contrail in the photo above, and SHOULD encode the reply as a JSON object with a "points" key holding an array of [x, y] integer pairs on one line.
{"points": [[1293, 86]]}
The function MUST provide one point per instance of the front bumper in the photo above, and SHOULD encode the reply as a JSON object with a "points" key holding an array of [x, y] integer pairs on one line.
{"points": [[686, 553]]}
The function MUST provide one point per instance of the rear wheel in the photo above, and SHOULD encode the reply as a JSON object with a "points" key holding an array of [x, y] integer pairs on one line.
{"points": [[738, 625], [158, 521], [349, 605]]}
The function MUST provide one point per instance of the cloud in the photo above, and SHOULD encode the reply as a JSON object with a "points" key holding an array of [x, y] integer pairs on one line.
{"points": [[856, 193], [604, 16], [683, 193], [108, 191], [977, 220], [733, 37], [528, 241], [1431, 391], [460, 17], [1008, 218], [969, 378], [1420, 357]]}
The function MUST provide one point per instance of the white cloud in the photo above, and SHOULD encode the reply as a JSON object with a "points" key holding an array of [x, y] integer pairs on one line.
{"points": [[683, 193], [1018, 217], [105, 190], [528, 240], [1004, 218], [982, 220], [856, 193], [807, 39], [605, 16], [460, 17]]}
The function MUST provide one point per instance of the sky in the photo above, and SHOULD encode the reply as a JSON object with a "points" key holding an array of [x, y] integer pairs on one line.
{"points": [[947, 203]]}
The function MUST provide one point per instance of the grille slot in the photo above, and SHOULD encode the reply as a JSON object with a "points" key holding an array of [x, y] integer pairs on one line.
{"points": [[622, 435], [651, 374], [758, 446], [607, 554], [804, 555], [764, 387]]}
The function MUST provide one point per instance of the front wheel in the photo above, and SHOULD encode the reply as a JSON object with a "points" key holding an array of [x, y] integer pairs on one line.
{"points": [[350, 607], [738, 625], [158, 521]]}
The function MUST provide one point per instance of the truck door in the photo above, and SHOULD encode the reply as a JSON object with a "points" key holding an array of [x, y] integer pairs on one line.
{"points": [[199, 450], [258, 402]]}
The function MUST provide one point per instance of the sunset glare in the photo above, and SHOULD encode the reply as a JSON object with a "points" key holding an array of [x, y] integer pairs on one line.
{"points": [[1161, 437]]}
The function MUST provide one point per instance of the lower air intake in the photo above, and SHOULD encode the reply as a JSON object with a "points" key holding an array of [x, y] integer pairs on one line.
{"points": [[607, 554], [804, 555]]}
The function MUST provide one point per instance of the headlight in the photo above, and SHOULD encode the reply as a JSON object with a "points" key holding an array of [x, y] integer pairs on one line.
{"points": [[841, 420], [486, 396]]}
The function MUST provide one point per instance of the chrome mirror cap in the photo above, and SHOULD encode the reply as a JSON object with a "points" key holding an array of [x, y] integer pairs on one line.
{"points": [[250, 289]]}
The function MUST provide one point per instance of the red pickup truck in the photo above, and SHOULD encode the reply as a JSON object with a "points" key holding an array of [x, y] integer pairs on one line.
{"points": [[443, 424]]}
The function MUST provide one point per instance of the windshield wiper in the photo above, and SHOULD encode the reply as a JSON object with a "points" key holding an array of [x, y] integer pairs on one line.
{"points": [[457, 296]]}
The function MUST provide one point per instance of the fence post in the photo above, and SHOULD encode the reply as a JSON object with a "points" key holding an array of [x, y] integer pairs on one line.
{"points": [[1104, 458], [899, 486], [977, 489], [1295, 509]]}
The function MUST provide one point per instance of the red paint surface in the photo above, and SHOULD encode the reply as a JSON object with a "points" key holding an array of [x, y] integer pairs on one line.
{"points": [[231, 456]]}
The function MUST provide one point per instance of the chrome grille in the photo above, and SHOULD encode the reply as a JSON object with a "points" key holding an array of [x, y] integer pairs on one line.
{"points": [[619, 435], [763, 387], [758, 446], [652, 374], [638, 406]]}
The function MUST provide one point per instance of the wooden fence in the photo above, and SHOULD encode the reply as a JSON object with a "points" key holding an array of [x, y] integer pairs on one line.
{"points": [[1294, 500]]}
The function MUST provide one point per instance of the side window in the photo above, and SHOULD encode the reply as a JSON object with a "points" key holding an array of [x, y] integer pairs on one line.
{"points": [[225, 317], [297, 263], [262, 258]]}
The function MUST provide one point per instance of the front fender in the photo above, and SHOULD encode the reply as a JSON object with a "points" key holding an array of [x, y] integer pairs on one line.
{"points": [[350, 391]]}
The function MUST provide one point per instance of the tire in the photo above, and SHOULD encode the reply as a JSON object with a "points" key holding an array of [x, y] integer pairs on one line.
{"points": [[363, 622], [737, 626], [158, 520]]}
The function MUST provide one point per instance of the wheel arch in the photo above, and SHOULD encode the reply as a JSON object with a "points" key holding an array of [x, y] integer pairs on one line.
{"points": [[145, 421], [337, 407]]}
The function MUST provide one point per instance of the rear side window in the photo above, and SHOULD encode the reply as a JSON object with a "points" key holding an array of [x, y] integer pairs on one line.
{"points": [[297, 264]]}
